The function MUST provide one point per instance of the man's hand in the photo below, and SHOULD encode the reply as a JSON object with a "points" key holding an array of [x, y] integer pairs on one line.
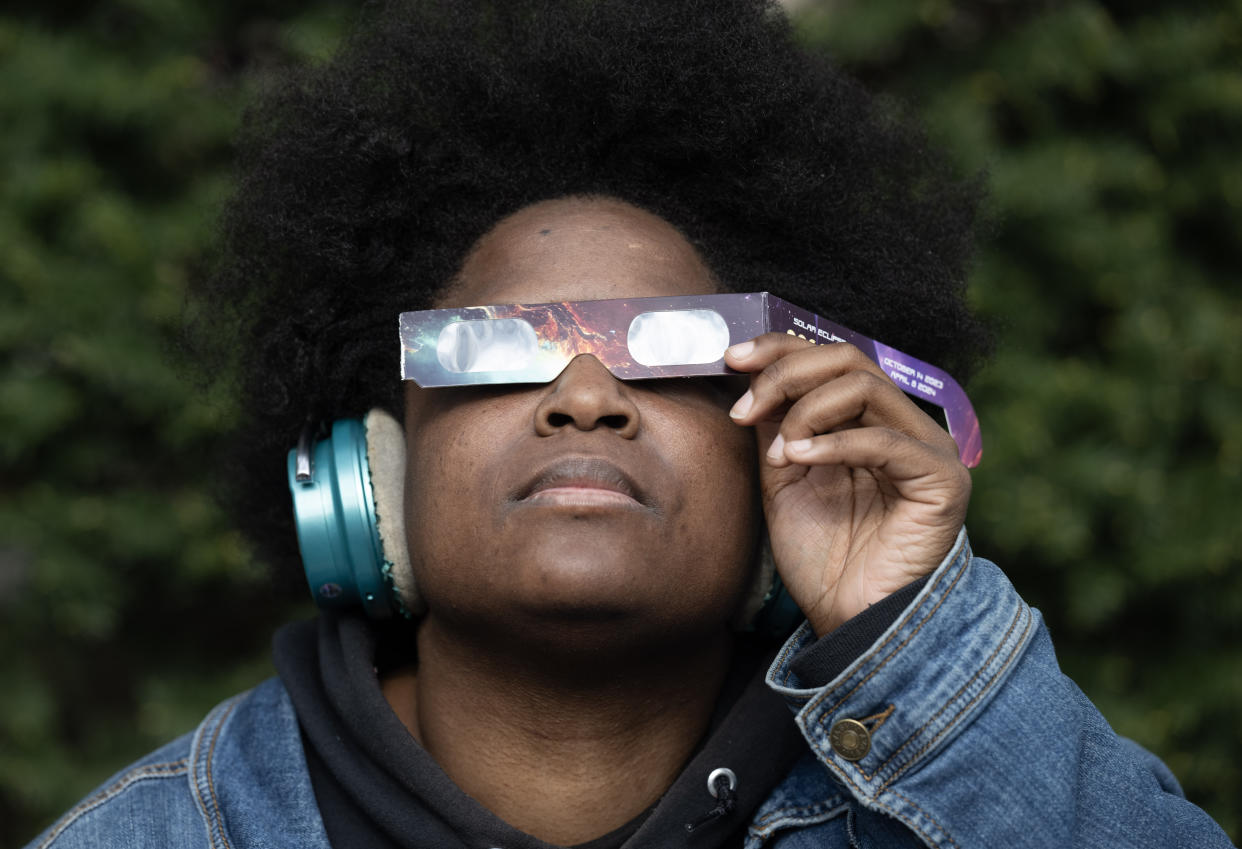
{"points": [[862, 492]]}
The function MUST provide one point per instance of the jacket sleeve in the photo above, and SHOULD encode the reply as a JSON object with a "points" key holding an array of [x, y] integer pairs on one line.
{"points": [[958, 723]]}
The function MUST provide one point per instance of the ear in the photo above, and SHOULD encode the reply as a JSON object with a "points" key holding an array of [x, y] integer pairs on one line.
{"points": [[386, 458]]}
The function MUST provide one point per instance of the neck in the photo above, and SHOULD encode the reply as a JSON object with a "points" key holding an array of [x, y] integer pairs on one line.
{"points": [[560, 753]]}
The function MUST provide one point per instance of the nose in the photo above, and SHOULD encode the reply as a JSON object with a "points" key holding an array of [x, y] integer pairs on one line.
{"points": [[586, 396]]}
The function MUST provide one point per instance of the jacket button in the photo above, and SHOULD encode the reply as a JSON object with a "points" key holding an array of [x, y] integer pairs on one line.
{"points": [[850, 739]]}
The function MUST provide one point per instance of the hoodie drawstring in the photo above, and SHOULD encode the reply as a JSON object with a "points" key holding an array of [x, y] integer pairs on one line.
{"points": [[722, 784]]}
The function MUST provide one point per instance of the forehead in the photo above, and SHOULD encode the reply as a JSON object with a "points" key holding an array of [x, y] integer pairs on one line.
{"points": [[577, 249]]}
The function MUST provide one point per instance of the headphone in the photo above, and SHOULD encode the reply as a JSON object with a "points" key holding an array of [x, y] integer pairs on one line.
{"points": [[348, 506]]}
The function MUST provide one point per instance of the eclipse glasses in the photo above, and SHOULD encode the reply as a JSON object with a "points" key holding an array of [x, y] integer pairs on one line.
{"points": [[644, 338]]}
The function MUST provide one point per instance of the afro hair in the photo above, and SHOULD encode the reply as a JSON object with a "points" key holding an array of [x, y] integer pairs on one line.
{"points": [[364, 181]]}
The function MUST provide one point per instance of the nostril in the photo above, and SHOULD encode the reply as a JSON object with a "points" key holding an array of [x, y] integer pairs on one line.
{"points": [[618, 421]]}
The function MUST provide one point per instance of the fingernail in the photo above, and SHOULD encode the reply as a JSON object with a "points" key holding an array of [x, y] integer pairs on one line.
{"points": [[743, 405], [776, 450], [800, 446], [742, 350]]}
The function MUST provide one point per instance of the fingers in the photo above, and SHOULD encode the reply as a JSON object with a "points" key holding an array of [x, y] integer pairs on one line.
{"points": [[920, 474], [819, 389], [858, 399], [783, 367]]}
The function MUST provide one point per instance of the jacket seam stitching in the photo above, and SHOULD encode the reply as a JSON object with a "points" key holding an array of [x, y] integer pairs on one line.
{"points": [[905, 620], [880, 648], [911, 614], [215, 820], [170, 769], [823, 720], [931, 719], [939, 827], [783, 658], [812, 809], [932, 742], [909, 823], [900, 816]]}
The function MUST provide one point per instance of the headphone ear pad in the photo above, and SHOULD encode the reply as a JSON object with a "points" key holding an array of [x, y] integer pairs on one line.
{"points": [[385, 442], [348, 506]]}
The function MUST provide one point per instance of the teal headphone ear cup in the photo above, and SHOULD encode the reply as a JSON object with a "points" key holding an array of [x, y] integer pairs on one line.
{"points": [[334, 511]]}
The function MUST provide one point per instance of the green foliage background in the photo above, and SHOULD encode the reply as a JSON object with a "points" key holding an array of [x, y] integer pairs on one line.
{"points": [[1112, 413]]}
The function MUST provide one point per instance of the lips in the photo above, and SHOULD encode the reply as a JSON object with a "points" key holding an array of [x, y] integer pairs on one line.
{"points": [[583, 481]]}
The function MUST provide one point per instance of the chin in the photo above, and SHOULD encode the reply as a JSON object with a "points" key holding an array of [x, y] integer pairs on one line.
{"points": [[600, 640], [584, 598], [596, 617], [588, 585]]}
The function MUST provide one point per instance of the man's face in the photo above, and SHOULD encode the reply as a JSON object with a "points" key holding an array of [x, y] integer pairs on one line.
{"points": [[586, 507]]}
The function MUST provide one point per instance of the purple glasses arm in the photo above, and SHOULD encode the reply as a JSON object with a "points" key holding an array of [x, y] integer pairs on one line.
{"points": [[916, 378]]}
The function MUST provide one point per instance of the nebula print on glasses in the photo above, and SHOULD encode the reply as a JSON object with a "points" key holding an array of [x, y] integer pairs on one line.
{"points": [[643, 338]]}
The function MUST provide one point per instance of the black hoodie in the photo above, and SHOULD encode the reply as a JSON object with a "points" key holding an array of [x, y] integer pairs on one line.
{"points": [[377, 788]]}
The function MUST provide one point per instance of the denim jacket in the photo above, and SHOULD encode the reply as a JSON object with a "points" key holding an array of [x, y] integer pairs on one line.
{"points": [[955, 729]]}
